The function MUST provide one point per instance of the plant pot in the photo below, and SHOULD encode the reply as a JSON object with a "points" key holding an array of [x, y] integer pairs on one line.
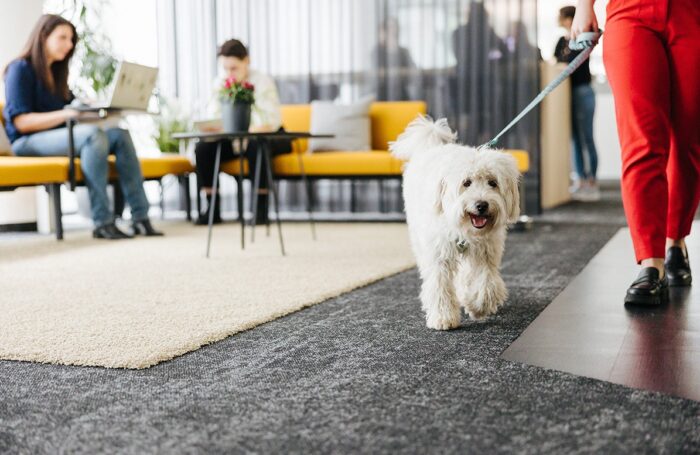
{"points": [[235, 117]]}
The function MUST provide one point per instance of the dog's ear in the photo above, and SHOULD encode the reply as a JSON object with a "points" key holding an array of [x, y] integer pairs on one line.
{"points": [[513, 199], [509, 177], [439, 195]]}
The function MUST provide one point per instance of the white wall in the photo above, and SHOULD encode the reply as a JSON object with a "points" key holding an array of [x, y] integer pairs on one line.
{"points": [[18, 18]]}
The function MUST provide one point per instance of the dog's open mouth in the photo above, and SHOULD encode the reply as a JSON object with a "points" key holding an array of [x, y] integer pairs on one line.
{"points": [[479, 221]]}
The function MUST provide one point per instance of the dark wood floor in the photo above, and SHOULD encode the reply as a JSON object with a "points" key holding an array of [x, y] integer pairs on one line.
{"points": [[588, 331]]}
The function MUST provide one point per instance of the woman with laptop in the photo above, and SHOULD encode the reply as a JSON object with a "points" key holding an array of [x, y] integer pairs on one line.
{"points": [[36, 91]]}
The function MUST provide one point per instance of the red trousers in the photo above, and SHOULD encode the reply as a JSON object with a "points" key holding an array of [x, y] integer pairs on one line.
{"points": [[651, 50]]}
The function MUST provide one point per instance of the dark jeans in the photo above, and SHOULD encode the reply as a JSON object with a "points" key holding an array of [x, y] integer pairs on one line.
{"points": [[583, 110]]}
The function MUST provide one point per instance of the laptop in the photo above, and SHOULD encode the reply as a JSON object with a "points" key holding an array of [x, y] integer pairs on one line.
{"points": [[131, 89]]}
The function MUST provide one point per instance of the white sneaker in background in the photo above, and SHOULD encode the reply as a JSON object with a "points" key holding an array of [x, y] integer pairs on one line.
{"points": [[577, 190], [593, 192], [585, 191]]}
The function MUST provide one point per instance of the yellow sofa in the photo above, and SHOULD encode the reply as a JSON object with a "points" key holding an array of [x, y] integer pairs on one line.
{"points": [[388, 120], [51, 172]]}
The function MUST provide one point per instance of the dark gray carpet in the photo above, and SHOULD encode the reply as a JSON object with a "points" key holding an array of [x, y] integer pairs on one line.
{"points": [[360, 373]]}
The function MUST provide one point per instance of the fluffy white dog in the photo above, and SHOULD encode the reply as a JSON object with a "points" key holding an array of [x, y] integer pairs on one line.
{"points": [[458, 201]]}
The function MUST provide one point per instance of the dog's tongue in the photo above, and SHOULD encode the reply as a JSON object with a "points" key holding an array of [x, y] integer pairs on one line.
{"points": [[478, 221]]}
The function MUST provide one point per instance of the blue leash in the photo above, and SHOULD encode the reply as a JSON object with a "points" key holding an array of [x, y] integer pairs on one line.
{"points": [[586, 42]]}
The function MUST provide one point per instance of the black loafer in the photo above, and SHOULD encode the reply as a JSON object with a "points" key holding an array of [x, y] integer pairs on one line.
{"points": [[109, 232], [677, 267], [144, 227], [648, 289]]}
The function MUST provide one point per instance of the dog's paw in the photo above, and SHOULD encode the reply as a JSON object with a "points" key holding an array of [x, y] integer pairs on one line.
{"points": [[440, 322], [480, 313], [488, 300]]}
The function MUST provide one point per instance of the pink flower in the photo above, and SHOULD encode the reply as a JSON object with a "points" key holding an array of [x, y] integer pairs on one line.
{"points": [[227, 83]]}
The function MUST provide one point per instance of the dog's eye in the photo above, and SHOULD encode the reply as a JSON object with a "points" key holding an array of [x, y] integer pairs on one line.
{"points": [[467, 183], [493, 184]]}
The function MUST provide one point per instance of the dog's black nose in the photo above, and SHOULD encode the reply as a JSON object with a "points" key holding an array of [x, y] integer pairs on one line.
{"points": [[482, 207]]}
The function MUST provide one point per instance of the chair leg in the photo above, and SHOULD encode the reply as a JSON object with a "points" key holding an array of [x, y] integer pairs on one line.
{"points": [[353, 196], [55, 193], [185, 193], [239, 190], [382, 203], [273, 190], [256, 188], [217, 165]]}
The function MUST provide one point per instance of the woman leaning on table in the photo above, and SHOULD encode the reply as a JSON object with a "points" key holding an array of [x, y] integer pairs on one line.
{"points": [[36, 90], [652, 58]]}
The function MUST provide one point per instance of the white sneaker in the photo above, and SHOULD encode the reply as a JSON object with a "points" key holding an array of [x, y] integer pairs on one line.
{"points": [[587, 193], [593, 191], [577, 191]]}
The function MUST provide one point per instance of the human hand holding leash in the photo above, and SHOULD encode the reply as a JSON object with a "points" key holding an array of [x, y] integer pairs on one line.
{"points": [[585, 19]]}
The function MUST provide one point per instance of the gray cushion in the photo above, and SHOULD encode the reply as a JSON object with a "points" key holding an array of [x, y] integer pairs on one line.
{"points": [[349, 123]]}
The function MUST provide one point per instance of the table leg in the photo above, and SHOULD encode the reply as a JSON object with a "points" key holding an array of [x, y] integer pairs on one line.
{"points": [[256, 186], [273, 189], [217, 164], [239, 191]]}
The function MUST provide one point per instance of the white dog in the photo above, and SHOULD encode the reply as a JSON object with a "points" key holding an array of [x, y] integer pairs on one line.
{"points": [[458, 201]]}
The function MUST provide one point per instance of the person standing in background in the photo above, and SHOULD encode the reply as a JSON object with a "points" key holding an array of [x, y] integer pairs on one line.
{"points": [[652, 58], [582, 112], [397, 77]]}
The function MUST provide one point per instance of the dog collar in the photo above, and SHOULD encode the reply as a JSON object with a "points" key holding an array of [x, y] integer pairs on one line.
{"points": [[462, 245]]}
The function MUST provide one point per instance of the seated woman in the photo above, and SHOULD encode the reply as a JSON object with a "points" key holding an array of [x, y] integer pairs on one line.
{"points": [[36, 90], [265, 117]]}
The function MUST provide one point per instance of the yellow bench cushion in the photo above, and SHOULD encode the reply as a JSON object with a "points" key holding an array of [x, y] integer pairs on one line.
{"points": [[522, 158], [21, 171], [157, 167], [372, 163], [388, 119], [151, 167]]}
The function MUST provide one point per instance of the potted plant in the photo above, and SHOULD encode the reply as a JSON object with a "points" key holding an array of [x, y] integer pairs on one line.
{"points": [[237, 98], [172, 119]]}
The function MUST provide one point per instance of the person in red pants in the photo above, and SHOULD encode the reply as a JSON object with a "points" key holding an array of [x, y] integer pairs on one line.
{"points": [[651, 51]]}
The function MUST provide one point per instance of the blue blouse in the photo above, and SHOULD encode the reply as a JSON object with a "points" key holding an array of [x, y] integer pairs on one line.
{"points": [[25, 93]]}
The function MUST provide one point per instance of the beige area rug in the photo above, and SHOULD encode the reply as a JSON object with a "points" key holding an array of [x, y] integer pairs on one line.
{"points": [[135, 303]]}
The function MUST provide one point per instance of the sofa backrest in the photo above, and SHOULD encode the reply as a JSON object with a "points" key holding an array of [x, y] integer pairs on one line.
{"points": [[388, 119]]}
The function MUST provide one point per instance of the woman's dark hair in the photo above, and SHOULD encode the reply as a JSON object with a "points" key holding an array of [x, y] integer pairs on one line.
{"points": [[55, 77], [567, 12], [233, 48]]}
